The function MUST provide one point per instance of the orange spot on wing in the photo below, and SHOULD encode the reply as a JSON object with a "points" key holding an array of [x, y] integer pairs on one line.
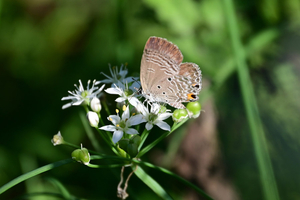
{"points": [[190, 96]]}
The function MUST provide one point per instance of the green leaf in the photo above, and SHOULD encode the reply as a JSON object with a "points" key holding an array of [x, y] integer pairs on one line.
{"points": [[65, 193], [151, 183], [34, 173], [267, 178], [201, 192]]}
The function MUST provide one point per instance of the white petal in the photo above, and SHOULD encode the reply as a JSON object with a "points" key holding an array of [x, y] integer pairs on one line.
{"points": [[77, 103], [68, 98], [134, 101], [120, 85], [149, 126], [115, 119], [123, 72], [67, 105], [132, 131], [80, 86], [128, 79], [126, 114], [163, 125], [120, 99], [101, 88], [164, 116], [142, 108], [135, 120], [117, 136], [97, 82], [108, 128], [107, 81], [135, 86], [113, 91]]}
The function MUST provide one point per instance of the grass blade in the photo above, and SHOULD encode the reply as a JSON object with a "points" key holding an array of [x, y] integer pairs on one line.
{"points": [[267, 178], [34, 173], [175, 176], [151, 183]]}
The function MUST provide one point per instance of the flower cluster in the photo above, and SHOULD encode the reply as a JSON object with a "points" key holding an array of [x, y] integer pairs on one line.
{"points": [[133, 111]]}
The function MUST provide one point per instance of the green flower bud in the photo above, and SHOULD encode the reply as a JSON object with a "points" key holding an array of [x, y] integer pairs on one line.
{"points": [[132, 149], [179, 115], [136, 139], [194, 108], [122, 152], [123, 143], [81, 155]]}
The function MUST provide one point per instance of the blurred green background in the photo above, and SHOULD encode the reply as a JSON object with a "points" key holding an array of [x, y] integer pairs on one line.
{"points": [[47, 45]]}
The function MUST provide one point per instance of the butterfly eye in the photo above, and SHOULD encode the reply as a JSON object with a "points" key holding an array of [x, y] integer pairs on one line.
{"points": [[169, 79], [163, 93], [158, 86]]}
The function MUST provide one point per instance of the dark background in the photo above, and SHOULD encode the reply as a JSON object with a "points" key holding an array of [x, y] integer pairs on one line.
{"points": [[46, 46]]}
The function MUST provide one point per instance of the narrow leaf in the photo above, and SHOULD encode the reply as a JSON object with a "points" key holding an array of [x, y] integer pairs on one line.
{"points": [[34, 173], [151, 183]]}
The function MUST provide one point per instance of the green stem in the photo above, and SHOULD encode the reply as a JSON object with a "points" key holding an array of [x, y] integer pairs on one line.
{"points": [[108, 141], [108, 135], [105, 135], [105, 166], [144, 137], [98, 157], [258, 136]]}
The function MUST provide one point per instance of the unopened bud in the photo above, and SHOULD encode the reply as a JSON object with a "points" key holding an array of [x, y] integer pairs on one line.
{"points": [[57, 139], [96, 105], [123, 144], [81, 155], [93, 119], [136, 139], [132, 149]]}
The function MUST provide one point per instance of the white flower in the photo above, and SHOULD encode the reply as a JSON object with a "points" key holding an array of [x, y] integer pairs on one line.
{"points": [[57, 139], [121, 125], [117, 76], [80, 95], [96, 105], [123, 91], [154, 117], [93, 118]]}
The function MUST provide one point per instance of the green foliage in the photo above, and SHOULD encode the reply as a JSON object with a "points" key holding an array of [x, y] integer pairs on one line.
{"points": [[45, 46]]}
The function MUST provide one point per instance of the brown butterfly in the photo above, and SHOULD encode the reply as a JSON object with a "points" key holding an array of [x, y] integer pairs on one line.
{"points": [[164, 78]]}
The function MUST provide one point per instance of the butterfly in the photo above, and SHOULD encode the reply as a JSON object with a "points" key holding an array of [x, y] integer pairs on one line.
{"points": [[164, 78]]}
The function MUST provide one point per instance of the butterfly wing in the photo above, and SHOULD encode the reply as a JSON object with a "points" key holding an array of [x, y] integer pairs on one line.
{"points": [[164, 77]]}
